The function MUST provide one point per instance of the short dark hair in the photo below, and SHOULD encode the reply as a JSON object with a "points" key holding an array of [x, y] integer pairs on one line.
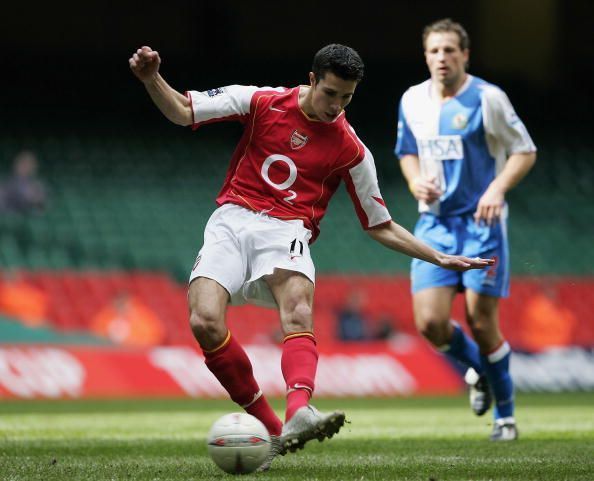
{"points": [[447, 25], [342, 61]]}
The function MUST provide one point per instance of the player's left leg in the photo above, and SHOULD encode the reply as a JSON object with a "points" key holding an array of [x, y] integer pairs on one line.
{"points": [[293, 292], [484, 288], [483, 318]]}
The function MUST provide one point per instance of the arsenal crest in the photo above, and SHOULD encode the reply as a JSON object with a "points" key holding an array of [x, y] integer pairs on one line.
{"points": [[298, 140]]}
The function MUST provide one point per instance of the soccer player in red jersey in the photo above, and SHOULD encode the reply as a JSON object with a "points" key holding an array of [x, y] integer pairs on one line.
{"points": [[296, 148]]}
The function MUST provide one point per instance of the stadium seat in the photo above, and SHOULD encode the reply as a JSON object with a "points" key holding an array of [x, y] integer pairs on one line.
{"points": [[142, 202]]}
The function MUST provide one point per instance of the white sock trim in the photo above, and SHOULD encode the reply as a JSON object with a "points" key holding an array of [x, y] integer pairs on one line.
{"points": [[257, 396], [471, 377], [499, 353], [507, 420], [297, 386]]}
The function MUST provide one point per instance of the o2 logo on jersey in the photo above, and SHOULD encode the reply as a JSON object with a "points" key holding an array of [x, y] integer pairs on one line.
{"points": [[271, 159]]}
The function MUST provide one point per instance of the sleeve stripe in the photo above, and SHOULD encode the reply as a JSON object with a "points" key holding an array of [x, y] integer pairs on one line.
{"points": [[363, 187], [196, 125], [191, 103], [227, 103]]}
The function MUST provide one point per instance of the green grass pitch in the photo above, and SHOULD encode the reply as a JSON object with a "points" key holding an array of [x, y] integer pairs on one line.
{"points": [[402, 439]]}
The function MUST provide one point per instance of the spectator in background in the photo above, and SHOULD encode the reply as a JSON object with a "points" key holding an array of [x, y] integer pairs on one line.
{"points": [[385, 328], [352, 324], [544, 322], [127, 321], [23, 192], [21, 300]]}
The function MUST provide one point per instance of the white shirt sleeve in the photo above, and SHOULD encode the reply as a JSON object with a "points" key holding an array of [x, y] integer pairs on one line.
{"points": [[502, 124], [223, 103], [362, 186]]}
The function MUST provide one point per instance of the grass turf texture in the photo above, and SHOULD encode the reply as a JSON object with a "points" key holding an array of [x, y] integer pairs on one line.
{"points": [[405, 439]]}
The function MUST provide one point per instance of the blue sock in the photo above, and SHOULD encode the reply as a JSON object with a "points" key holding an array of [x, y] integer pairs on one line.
{"points": [[497, 370], [464, 350]]}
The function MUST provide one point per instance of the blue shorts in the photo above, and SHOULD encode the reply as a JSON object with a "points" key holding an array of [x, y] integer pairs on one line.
{"points": [[460, 235]]}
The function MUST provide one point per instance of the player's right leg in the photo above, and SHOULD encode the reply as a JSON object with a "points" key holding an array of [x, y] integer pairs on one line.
{"points": [[223, 355], [219, 272], [432, 308], [434, 289]]}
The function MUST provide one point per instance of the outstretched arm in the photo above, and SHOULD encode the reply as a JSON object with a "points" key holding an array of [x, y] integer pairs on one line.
{"points": [[397, 238], [145, 63]]}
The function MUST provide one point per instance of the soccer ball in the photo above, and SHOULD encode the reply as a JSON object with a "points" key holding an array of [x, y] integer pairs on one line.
{"points": [[238, 443]]}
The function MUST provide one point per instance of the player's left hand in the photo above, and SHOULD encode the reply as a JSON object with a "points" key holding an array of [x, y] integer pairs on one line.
{"points": [[462, 263], [490, 206]]}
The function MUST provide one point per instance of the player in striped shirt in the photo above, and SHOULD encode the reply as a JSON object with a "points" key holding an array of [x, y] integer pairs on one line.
{"points": [[461, 148]]}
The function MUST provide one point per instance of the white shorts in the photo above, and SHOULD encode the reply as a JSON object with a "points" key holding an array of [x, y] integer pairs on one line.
{"points": [[241, 246]]}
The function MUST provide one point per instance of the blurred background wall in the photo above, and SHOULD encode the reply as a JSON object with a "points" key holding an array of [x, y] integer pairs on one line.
{"points": [[68, 94], [124, 191]]}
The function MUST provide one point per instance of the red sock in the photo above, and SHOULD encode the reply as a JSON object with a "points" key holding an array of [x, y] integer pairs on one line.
{"points": [[231, 366], [298, 363], [263, 411]]}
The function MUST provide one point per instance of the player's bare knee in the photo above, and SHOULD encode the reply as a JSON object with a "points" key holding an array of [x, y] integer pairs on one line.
{"points": [[481, 321], [479, 330], [434, 330], [487, 335], [298, 319], [207, 327]]}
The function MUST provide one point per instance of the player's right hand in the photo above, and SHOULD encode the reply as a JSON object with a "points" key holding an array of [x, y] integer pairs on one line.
{"points": [[145, 63], [425, 190]]}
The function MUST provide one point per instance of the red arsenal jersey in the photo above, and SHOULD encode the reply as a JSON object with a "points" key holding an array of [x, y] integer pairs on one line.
{"points": [[287, 164]]}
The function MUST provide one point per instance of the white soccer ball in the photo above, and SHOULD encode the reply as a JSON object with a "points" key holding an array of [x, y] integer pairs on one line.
{"points": [[238, 443]]}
